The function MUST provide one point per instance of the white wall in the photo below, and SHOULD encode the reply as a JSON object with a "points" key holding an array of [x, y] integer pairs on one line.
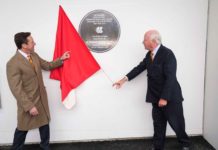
{"points": [[211, 81], [101, 111]]}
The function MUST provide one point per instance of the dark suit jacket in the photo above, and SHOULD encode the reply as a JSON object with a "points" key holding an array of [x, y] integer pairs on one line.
{"points": [[161, 73]]}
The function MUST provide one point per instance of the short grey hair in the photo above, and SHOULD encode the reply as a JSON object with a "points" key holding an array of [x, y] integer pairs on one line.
{"points": [[155, 35]]}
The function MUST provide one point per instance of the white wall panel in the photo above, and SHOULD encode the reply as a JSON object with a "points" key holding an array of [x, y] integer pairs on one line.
{"points": [[101, 111]]}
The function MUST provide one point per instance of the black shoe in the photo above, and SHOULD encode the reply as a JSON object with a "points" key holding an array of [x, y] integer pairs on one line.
{"points": [[185, 148]]}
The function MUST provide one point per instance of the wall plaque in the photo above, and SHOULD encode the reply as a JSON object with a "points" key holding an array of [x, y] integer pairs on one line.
{"points": [[100, 30]]}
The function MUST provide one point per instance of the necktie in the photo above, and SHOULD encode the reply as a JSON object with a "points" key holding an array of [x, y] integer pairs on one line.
{"points": [[152, 56], [31, 61]]}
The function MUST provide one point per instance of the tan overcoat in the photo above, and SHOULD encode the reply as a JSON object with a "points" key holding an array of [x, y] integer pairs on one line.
{"points": [[26, 84]]}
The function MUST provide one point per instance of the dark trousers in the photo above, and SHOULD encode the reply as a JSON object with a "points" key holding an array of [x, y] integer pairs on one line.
{"points": [[20, 136], [173, 113]]}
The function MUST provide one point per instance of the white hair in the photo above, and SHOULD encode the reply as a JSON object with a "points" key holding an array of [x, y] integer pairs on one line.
{"points": [[155, 36]]}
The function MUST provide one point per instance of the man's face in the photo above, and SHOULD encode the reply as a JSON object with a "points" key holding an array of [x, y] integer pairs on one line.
{"points": [[29, 47], [148, 44]]}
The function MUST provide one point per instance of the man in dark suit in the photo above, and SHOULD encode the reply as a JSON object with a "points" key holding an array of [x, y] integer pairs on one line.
{"points": [[164, 91]]}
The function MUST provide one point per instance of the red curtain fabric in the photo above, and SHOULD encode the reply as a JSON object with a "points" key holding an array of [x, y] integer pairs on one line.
{"points": [[81, 64]]}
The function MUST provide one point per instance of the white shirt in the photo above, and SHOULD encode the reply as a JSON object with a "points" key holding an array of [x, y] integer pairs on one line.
{"points": [[155, 50], [25, 55]]}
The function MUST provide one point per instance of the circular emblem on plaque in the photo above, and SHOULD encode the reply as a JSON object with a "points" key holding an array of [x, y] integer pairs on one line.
{"points": [[100, 30]]}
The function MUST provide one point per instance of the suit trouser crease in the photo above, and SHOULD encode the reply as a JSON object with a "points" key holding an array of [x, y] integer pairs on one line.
{"points": [[173, 113]]}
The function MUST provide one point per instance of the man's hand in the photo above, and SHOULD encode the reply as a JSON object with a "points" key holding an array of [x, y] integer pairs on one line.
{"points": [[66, 55], [119, 83], [162, 102], [33, 111]]}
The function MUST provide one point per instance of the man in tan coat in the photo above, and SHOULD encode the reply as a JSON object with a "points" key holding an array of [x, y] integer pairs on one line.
{"points": [[26, 83]]}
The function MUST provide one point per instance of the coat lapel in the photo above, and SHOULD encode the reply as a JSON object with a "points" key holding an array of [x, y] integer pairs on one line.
{"points": [[158, 54], [23, 60], [35, 60]]}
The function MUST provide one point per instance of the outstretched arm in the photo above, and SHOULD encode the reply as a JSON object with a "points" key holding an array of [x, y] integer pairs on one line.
{"points": [[119, 83]]}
